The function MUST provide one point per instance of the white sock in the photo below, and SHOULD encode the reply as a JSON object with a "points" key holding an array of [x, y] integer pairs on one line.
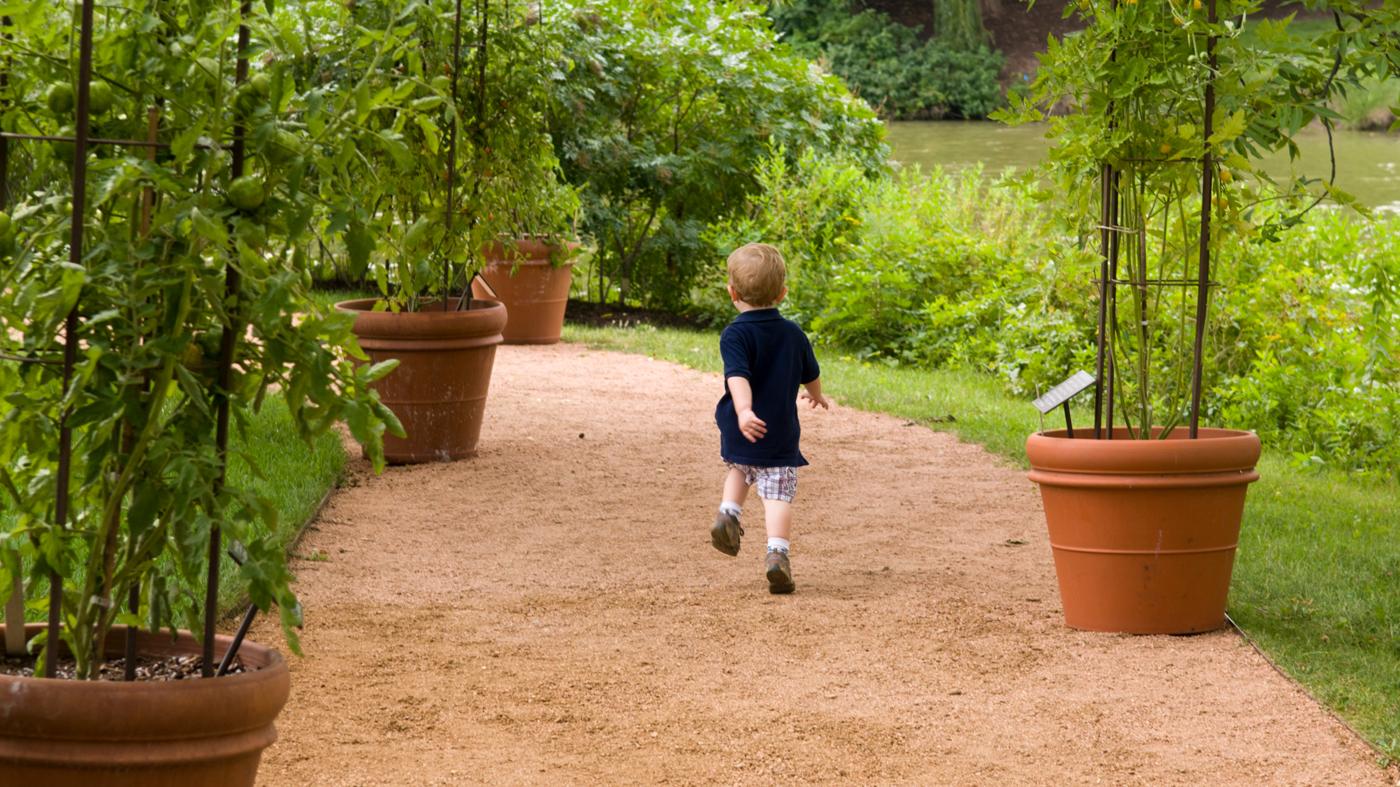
{"points": [[731, 508], [780, 544]]}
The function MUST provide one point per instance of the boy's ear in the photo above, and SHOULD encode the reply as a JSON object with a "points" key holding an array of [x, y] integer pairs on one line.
{"points": [[781, 296], [733, 293]]}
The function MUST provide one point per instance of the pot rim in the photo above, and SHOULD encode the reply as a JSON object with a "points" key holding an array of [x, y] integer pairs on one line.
{"points": [[1215, 451], [529, 250], [524, 262], [366, 306], [448, 324]]}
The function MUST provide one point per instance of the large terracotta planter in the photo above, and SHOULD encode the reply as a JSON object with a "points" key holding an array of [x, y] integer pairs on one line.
{"points": [[534, 290], [439, 389], [1144, 531], [62, 733]]}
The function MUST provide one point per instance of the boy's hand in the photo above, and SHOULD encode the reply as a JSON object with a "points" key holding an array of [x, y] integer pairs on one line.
{"points": [[815, 399], [751, 426]]}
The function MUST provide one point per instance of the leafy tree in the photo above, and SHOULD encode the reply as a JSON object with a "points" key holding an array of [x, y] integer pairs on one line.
{"points": [[957, 24], [660, 114], [954, 74]]}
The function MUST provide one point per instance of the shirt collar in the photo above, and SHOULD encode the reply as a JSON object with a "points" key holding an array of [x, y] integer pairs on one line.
{"points": [[758, 315]]}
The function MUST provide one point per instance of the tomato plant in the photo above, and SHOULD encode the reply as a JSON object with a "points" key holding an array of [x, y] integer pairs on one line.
{"points": [[184, 261], [423, 157], [1166, 101], [662, 113]]}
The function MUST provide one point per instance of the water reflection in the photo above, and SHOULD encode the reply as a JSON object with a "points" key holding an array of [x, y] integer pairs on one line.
{"points": [[1366, 160]]}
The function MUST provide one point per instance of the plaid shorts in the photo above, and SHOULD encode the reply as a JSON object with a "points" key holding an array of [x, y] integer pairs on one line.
{"points": [[774, 483]]}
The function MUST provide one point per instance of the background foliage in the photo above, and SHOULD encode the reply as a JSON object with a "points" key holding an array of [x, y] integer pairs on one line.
{"points": [[661, 112], [952, 74]]}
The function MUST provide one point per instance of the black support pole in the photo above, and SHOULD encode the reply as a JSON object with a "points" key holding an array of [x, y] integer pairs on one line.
{"points": [[5, 143], [238, 636], [1111, 388], [227, 344], [1106, 177], [1203, 274], [452, 160], [70, 327]]}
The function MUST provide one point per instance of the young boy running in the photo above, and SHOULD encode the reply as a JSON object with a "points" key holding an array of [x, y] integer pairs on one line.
{"points": [[766, 357]]}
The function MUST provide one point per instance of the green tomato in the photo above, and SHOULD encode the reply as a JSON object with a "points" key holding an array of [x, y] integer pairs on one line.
{"points": [[6, 225], [209, 343], [282, 147], [60, 99], [262, 83], [247, 192], [246, 99], [99, 97], [65, 149], [204, 70]]}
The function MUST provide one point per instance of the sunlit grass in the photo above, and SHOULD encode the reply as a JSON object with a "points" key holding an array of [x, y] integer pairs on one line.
{"points": [[295, 476], [1317, 579]]}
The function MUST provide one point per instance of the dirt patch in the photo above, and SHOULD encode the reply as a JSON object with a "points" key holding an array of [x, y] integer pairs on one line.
{"points": [[552, 611]]}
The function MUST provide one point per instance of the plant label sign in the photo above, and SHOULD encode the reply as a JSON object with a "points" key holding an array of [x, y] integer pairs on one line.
{"points": [[1063, 392], [1060, 395]]}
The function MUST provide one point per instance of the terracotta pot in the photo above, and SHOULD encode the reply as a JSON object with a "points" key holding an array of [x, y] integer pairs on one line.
{"points": [[1144, 531], [59, 733], [533, 289], [439, 389]]}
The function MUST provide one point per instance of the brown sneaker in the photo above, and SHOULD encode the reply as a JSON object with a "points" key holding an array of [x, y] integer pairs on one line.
{"points": [[779, 572], [725, 533]]}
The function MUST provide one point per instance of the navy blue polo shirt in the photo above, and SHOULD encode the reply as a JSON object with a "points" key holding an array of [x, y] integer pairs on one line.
{"points": [[774, 355]]}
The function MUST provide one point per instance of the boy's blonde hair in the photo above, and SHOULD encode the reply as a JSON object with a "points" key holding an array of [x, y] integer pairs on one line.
{"points": [[757, 272]]}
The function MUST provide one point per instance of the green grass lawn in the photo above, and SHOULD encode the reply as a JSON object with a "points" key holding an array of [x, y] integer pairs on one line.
{"points": [[1317, 579], [295, 476]]}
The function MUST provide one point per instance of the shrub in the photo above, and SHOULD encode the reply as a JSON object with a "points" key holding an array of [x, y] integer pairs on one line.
{"points": [[888, 65], [1310, 360], [661, 113]]}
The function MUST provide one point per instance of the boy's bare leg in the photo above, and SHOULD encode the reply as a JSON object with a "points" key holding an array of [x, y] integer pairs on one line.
{"points": [[777, 518], [735, 490]]}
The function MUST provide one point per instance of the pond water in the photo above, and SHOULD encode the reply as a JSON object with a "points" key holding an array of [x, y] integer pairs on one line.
{"points": [[1368, 162]]}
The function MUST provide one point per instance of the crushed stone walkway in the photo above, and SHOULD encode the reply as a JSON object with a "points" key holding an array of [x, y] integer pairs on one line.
{"points": [[552, 613]]}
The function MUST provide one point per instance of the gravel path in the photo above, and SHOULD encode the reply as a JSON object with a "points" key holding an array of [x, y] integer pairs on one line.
{"points": [[552, 612]]}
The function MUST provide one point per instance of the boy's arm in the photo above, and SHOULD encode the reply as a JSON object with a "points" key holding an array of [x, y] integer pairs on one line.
{"points": [[812, 374], [750, 425], [813, 394]]}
